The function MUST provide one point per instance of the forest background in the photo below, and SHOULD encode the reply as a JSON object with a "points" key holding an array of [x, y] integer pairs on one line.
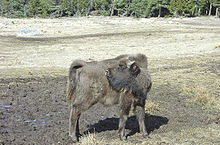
{"points": [[135, 8]]}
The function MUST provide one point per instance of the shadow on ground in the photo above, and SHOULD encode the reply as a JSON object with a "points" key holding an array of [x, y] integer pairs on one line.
{"points": [[152, 122]]}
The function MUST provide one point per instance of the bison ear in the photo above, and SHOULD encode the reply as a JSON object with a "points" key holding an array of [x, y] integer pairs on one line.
{"points": [[130, 63], [134, 69]]}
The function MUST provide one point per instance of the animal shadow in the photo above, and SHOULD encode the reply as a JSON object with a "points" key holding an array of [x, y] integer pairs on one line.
{"points": [[152, 122]]}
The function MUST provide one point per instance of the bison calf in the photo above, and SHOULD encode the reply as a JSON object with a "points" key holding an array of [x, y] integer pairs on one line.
{"points": [[87, 85], [132, 95]]}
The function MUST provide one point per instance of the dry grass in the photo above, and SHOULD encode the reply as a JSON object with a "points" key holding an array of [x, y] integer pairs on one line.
{"points": [[151, 107], [196, 78], [91, 139], [4, 93], [217, 46], [188, 136], [94, 139], [199, 95], [203, 97]]}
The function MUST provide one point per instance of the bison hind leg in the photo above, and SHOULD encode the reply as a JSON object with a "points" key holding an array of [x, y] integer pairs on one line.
{"points": [[140, 115], [74, 123], [76, 109]]}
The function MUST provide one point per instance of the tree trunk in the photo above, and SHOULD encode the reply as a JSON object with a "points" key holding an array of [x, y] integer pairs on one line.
{"points": [[210, 9], [159, 12], [91, 5], [57, 2], [112, 8], [25, 10], [194, 11], [126, 9], [1, 9]]}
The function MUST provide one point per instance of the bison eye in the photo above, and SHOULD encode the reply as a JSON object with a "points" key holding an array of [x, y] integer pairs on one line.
{"points": [[134, 67]]}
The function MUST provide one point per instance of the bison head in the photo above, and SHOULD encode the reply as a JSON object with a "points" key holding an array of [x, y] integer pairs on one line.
{"points": [[124, 68], [123, 75]]}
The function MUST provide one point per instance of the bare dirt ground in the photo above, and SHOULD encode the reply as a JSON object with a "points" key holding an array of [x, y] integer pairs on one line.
{"points": [[184, 60]]}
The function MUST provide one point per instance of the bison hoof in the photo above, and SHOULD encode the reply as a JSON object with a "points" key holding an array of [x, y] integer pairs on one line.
{"points": [[74, 138], [123, 138], [146, 136]]}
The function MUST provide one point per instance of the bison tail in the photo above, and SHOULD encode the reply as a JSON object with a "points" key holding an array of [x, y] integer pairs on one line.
{"points": [[71, 81]]}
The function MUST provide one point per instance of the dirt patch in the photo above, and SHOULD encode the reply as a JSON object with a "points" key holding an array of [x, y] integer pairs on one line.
{"points": [[183, 61]]}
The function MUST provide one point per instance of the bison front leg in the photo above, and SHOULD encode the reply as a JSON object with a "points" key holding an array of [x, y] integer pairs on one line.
{"points": [[140, 115], [121, 130], [74, 123], [124, 112]]}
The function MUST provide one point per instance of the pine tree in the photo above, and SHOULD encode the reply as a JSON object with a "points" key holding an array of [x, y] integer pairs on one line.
{"points": [[83, 7], [3, 6], [138, 8], [103, 6], [181, 7], [68, 7], [39, 7], [159, 8]]}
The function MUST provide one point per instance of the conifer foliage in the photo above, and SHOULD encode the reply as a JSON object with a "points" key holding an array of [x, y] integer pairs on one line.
{"points": [[135, 8]]}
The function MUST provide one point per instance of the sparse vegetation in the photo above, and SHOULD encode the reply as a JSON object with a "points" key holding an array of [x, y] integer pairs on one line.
{"points": [[92, 139], [199, 95], [151, 107], [217, 47], [4, 93], [195, 78]]}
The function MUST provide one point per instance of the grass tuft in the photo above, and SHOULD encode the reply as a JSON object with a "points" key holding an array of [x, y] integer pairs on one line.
{"points": [[91, 139], [199, 95], [217, 46], [151, 107], [4, 94]]}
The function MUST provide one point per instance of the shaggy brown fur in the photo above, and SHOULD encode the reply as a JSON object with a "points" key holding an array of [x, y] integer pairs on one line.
{"points": [[123, 80], [88, 85]]}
